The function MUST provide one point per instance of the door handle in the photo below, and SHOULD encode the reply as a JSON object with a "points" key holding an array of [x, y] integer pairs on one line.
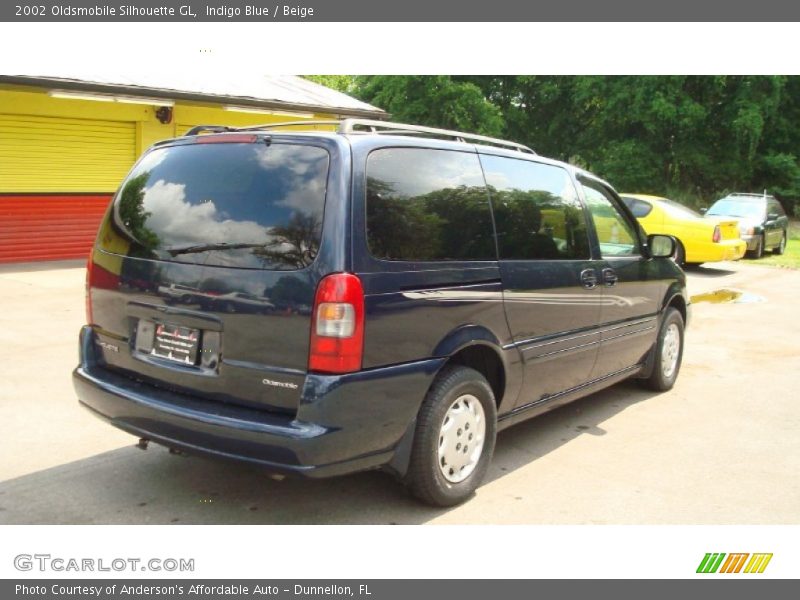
{"points": [[589, 279], [610, 277]]}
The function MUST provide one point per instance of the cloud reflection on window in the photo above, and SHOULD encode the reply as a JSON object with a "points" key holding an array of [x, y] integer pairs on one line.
{"points": [[242, 205]]}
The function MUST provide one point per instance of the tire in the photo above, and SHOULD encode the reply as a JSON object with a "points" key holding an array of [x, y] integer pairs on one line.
{"points": [[671, 333], [436, 474], [759, 250], [780, 248], [680, 254]]}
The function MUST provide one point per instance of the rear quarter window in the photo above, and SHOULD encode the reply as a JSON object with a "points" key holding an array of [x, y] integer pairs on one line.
{"points": [[248, 205], [427, 205]]}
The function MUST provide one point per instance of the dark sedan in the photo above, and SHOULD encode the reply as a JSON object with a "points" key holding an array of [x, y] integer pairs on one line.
{"points": [[763, 223]]}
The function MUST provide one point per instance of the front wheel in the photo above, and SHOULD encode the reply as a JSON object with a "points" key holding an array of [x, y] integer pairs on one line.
{"points": [[668, 353], [454, 439]]}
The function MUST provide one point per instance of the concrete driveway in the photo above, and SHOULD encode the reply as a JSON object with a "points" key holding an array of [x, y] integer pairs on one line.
{"points": [[721, 447]]}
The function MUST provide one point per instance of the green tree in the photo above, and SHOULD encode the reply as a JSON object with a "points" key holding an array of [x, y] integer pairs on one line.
{"points": [[294, 245], [132, 214], [435, 101], [692, 138], [341, 83]]}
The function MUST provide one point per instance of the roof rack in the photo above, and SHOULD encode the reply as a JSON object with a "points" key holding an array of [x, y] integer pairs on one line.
{"points": [[389, 128], [369, 126], [750, 195]]}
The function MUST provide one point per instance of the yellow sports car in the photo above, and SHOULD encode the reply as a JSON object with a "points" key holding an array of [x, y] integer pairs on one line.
{"points": [[699, 239]]}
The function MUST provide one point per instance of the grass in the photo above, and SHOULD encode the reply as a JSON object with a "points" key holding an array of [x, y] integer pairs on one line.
{"points": [[791, 258]]}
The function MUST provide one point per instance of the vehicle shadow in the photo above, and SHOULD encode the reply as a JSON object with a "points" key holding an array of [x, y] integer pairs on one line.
{"points": [[128, 486], [708, 270]]}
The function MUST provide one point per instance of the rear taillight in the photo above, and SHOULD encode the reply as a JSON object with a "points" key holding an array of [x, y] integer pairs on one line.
{"points": [[337, 330], [89, 269], [717, 235]]}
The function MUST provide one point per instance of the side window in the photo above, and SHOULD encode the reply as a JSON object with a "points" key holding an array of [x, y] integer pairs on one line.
{"points": [[616, 235], [775, 207], [427, 205], [536, 209]]}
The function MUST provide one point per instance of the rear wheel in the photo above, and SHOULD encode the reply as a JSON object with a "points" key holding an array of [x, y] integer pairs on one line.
{"points": [[668, 353], [680, 254], [780, 248], [454, 439], [758, 251]]}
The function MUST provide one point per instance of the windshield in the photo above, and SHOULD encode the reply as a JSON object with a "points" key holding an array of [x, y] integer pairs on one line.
{"points": [[729, 207], [233, 204]]}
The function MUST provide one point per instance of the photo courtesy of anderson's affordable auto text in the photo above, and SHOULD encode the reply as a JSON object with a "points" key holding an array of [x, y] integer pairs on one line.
{"points": [[202, 590], [287, 286]]}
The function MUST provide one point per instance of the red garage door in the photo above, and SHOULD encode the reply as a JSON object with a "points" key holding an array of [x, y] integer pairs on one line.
{"points": [[49, 227]]}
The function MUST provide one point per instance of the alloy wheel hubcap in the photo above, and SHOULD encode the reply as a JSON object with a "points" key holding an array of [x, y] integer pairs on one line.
{"points": [[461, 438], [670, 350]]}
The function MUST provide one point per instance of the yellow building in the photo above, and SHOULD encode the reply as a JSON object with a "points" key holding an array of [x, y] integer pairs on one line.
{"points": [[66, 143]]}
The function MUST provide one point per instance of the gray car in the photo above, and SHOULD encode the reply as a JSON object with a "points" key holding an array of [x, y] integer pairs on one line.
{"points": [[763, 223]]}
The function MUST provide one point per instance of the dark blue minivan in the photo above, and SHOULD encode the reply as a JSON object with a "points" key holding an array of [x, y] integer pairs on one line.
{"points": [[357, 295]]}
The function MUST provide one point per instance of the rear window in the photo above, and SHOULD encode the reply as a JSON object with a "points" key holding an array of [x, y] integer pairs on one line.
{"points": [[425, 205], [240, 205], [639, 208], [680, 210]]}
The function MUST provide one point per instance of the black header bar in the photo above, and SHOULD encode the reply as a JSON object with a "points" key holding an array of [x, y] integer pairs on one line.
{"points": [[401, 11]]}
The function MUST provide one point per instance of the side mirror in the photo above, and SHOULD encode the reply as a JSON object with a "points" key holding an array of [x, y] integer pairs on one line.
{"points": [[772, 217], [703, 210], [661, 246]]}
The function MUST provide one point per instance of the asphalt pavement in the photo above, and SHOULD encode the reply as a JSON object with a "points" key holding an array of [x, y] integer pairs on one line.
{"points": [[720, 448]]}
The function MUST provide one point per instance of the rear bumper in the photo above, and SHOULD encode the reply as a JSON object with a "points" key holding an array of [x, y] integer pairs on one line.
{"points": [[723, 250], [733, 249], [344, 423]]}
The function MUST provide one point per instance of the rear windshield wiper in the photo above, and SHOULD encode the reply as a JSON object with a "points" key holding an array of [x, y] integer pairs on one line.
{"points": [[207, 247]]}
